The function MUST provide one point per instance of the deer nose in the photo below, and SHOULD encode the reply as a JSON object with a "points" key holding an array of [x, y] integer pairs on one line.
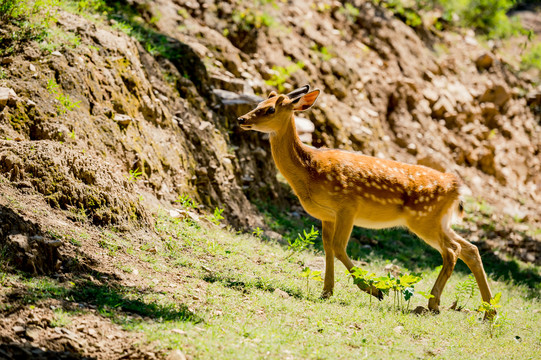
{"points": [[241, 120]]}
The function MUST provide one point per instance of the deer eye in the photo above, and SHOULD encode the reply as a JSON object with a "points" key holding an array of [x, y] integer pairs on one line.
{"points": [[270, 111]]}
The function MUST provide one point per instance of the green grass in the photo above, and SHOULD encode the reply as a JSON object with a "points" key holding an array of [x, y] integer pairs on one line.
{"points": [[224, 304]]}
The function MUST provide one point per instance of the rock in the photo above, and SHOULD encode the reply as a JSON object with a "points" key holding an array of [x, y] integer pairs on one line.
{"points": [[431, 95], [227, 83], [281, 293], [412, 148], [534, 98], [178, 331], [514, 211], [441, 107], [399, 329], [498, 95], [393, 269], [56, 53], [484, 61], [305, 128], [17, 329], [180, 213], [7, 97], [122, 119], [237, 103], [32, 333], [176, 355]]}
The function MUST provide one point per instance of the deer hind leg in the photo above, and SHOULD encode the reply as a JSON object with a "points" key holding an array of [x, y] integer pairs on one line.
{"points": [[450, 251], [327, 235], [342, 231], [470, 255]]}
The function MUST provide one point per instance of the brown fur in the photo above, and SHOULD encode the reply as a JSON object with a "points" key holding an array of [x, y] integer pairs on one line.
{"points": [[344, 189]]}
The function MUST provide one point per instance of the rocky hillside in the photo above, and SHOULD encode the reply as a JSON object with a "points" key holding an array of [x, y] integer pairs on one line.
{"points": [[114, 109]]}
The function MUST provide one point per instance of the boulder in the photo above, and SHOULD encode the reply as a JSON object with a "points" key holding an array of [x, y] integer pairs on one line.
{"points": [[7, 97], [238, 103]]}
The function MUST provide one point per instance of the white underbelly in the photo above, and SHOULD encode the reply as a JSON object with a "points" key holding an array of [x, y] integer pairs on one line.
{"points": [[379, 224]]}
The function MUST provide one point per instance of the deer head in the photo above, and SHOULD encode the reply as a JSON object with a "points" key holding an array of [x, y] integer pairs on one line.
{"points": [[272, 114]]}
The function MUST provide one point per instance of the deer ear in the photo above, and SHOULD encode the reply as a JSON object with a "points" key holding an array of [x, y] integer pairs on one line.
{"points": [[305, 102], [272, 94]]}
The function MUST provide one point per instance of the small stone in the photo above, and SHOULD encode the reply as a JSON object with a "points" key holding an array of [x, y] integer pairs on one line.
{"points": [[281, 293], [122, 119], [441, 107], [7, 97], [412, 148], [176, 355], [32, 333], [30, 103], [17, 329], [175, 214], [484, 61], [56, 53], [398, 329], [32, 68], [178, 331]]}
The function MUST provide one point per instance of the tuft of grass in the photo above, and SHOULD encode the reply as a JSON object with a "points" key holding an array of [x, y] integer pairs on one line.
{"points": [[64, 102], [532, 58]]}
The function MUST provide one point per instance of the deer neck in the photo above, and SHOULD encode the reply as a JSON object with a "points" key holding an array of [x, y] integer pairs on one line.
{"points": [[290, 155]]}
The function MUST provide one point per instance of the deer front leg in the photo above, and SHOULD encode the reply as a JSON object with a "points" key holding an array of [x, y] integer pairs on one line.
{"points": [[342, 231], [327, 235]]}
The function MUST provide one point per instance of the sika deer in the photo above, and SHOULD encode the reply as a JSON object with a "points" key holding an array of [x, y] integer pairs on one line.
{"points": [[344, 189]]}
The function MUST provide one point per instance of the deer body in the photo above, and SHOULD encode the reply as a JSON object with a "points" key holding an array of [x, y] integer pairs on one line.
{"points": [[344, 189]]}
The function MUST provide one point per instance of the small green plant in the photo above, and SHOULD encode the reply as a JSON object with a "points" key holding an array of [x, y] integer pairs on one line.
{"points": [[365, 279], [302, 242], [281, 75], [134, 175], [3, 74], [425, 295], [257, 232], [252, 18], [465, 291], [217, 217], [186, 201], [323, 52], [107, 243], [52, 86], [309, 274], [401, 286], [65, 103], [60, 319], [72, 134], [489, 308], [350, 11]]}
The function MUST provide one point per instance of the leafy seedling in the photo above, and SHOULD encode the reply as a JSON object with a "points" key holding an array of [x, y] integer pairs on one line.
{"points": [[302, 242], [310, 275]]}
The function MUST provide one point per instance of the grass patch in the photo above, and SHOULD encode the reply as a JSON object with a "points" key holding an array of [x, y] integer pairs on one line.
{"points": [[226, 304]]}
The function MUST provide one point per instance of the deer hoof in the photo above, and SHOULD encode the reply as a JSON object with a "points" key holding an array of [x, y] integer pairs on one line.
{"points": [[326, 294]]}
